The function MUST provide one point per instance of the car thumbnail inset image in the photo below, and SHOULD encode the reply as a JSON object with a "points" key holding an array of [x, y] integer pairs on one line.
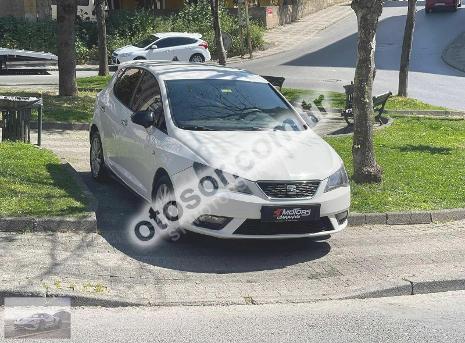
{"points": [[37, 318]]}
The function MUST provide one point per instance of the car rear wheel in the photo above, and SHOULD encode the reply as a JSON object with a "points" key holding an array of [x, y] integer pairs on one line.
{"points": [[97, 163], [197, 58]]}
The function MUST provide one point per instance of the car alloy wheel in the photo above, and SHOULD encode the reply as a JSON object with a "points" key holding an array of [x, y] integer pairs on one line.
{"points": [[97, 166], [197, 58]]}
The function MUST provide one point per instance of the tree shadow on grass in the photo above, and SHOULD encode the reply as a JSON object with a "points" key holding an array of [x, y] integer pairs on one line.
{"points": [[63, 180], [433, 150]]}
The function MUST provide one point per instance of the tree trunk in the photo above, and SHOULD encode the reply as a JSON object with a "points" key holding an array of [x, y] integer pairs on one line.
{"points": [[407, 48], [365, 167], [44, 9], [66, 17], [102, 38], [217, 28]]}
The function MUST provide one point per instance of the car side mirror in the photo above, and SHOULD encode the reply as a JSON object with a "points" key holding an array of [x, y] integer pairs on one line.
{"points": [[143, 118], [153, 47]]}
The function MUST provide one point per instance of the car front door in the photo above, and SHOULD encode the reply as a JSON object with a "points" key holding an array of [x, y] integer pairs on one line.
{"points": [[118, 115], [167, 48], [142, 142]]}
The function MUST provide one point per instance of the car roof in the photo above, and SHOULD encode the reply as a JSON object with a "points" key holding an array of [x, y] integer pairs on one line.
{"points": [[178, 34], [169, 70]]}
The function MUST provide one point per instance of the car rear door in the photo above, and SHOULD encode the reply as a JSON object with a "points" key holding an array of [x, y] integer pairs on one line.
{"points": [[141, 145], [184, 48], [118, 115]]}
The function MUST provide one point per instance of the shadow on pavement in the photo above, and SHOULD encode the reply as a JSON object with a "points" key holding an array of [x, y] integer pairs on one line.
{"points": [[193, 253]]}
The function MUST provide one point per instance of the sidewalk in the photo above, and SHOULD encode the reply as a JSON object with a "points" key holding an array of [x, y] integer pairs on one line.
{"points": [[359, 262], [288, 37]]}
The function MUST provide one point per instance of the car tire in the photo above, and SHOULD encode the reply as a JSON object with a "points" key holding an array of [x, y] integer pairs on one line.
{"points": [[197, 58], [97, 162], [163, 193], [139, 58]]}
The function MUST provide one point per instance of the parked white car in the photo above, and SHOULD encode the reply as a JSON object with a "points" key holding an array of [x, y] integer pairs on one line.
{"points": [[220, 152], [38, 321], [169, 46]]}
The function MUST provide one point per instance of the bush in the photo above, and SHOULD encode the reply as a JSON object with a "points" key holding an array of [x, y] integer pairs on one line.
{"points": [[125, 27]]}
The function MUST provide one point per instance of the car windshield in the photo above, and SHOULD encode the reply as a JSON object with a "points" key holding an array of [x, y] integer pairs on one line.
{"points": [[229, 105], [146, 41]]}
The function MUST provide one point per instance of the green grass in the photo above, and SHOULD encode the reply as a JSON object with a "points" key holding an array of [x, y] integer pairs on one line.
{"points": [[33, 183], [423, 162], [337, 100], [69, 109], [93, 82]]}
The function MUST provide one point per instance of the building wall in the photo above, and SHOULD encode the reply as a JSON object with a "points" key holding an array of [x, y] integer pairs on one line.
{"points": [[13, 8]]}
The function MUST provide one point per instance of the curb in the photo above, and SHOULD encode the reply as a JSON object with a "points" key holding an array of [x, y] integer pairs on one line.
{"points": [[62, 126], [86, 223], [406, 218], [452, 50], [423, 113]]}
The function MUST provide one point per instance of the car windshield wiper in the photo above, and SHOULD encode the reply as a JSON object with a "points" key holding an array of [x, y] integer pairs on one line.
{"points": [[197, 128]]}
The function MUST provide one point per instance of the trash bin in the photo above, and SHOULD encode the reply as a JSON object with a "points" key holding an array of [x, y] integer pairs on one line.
{"points": [[16, 114]]}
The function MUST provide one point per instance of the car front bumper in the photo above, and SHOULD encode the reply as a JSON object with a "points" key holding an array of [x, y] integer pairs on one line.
{"points": [[245, 211]]}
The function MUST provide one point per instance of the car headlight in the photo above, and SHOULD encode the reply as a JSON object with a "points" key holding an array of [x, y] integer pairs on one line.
{"points": [[338, 179], [213, 179]]}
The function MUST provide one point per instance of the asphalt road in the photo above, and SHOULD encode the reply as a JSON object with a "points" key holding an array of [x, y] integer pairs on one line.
{"points": [[420, 318], [327, 61]]}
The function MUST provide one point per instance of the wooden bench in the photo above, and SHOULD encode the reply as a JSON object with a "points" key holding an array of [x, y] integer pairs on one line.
{"points": [[379, 103], [276, 81]]}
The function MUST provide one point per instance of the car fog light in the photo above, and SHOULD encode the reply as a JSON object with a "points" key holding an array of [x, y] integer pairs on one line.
{"points": [[212, 222]]}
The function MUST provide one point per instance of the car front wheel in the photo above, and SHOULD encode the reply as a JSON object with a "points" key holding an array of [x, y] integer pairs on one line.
{"points": [[164, 201], [97, 163]]}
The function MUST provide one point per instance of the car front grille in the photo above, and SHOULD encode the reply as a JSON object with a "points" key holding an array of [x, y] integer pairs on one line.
{"points": [[256, 227], [289, 190]]}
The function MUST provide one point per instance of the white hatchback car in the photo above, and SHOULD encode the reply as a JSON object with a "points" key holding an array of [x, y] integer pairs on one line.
{"points": [[178, 46], [219, 151]]}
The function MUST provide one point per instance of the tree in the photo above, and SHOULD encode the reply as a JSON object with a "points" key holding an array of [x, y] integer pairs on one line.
{"points": [[102, 37], [66, 17], [217, 28], [44, 9], [365, 167], [407, 48]]}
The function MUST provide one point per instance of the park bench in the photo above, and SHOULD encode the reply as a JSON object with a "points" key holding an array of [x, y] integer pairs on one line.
{"points": [[275, 81], [379, 103]]}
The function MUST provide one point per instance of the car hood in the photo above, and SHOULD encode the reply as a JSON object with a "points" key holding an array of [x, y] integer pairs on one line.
{"points": [[127, 48], [264, 155]]}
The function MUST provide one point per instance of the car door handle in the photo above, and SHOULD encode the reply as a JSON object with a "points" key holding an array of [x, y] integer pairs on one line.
{"points": [[124, 122]]}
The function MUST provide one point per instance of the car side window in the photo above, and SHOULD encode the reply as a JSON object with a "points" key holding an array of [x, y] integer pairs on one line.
{"points": [[148, 98], [171, 41], [126, 84]]}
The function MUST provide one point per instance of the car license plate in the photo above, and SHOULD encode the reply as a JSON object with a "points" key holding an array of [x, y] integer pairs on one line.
{"points": [[290, 213]]}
